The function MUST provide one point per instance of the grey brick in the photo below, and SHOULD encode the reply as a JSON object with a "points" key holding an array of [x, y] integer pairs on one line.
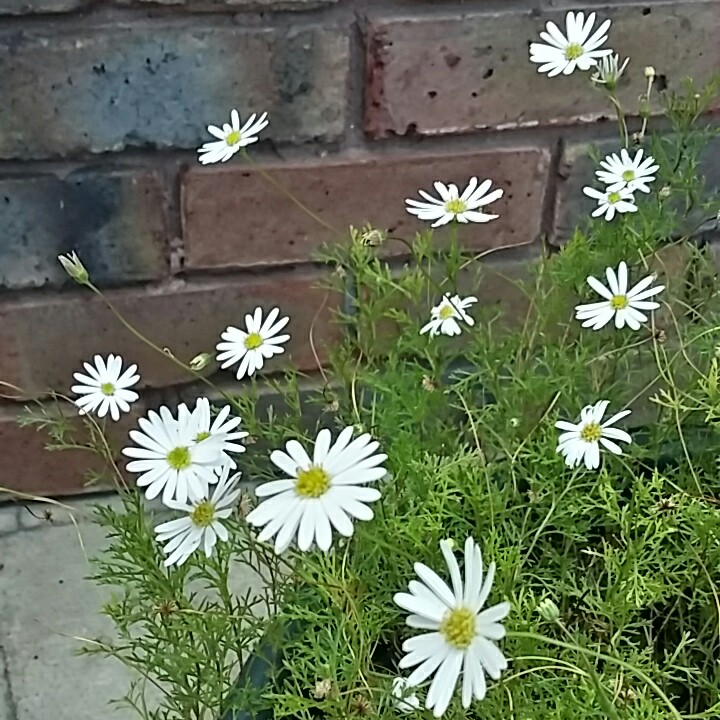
{"points": [[578, 170], [159, 83], [23, 7], [225, 5], [114, 220]]}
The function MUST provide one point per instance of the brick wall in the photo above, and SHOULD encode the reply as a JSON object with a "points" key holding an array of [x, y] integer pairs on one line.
{"points": [[105, 101]]}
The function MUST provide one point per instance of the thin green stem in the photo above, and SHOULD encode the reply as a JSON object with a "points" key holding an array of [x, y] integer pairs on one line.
{"points": [[165, 352], [607, 658], [288, 194], [607, 704], [621, 119]]}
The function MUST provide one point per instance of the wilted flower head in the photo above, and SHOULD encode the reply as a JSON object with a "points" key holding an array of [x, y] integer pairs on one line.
{"points": [[373, 237], [609, 71]]}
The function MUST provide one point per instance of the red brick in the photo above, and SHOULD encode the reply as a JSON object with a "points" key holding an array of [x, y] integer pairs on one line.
{"points": [[232, 216], [29, 468], [43, 340], [462, 72]]}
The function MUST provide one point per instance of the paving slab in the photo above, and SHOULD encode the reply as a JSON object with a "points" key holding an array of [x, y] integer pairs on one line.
{"points": [[45, 603]]}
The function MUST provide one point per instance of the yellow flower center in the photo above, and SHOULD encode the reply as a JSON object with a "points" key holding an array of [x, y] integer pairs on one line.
{"points": [[202, 436], [614, 197], [628, 175], [253, 341], [619, 302], [107, 389], [458, 627], [233, 138], [591, 433], [446, 311], [573, 51], [312, 483], [179, 458], [203, 514], [456, 206]]}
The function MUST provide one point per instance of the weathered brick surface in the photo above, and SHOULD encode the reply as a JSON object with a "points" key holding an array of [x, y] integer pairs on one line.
{"points": [[43, 340], [29, 468], [577, 169], [116, 222], [462, 72], [225, 5], [22, 7], [233, 217], [159, 83]]}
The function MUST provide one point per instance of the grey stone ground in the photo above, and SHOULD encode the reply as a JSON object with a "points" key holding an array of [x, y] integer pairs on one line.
{"points": [[44, 603]]}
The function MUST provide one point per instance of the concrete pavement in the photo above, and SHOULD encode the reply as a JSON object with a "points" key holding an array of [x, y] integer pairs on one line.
{"points": [[45, 601]]}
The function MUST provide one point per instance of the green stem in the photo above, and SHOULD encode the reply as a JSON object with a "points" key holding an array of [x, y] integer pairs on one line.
{"points": [[165, 353], [621, 119], [607, 704], [607, 658], [288, 194]]}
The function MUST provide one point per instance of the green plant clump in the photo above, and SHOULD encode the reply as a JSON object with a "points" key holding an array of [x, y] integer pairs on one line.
{"points": [[610, 572]]}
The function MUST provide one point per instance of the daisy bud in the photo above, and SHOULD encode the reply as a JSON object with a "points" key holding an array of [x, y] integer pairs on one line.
{"points": [[450, 543], [649, 71], [323, 688], [665, 192], [514, 422], [548, 610], [201, 361], [74, 268]]}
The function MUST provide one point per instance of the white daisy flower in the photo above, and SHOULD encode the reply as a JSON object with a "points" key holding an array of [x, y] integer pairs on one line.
{"points": [[461, 633], [251, 347], [445, 316], [581, 441], [105, 387], [231, 137], [404, 699], [454, 206], [328, 489], [610, 202], [201, 526], [627, 173], [609, 71], [170, 459], [576, 48], [221, 429], [619, 303]]}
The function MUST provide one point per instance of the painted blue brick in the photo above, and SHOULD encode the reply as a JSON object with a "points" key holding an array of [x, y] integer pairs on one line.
{"points": [[115, 220], [159, 83]]}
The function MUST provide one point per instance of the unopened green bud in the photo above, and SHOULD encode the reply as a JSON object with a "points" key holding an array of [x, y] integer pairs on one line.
{"points": [[548, 610], [201, 361], [74, 268]]}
